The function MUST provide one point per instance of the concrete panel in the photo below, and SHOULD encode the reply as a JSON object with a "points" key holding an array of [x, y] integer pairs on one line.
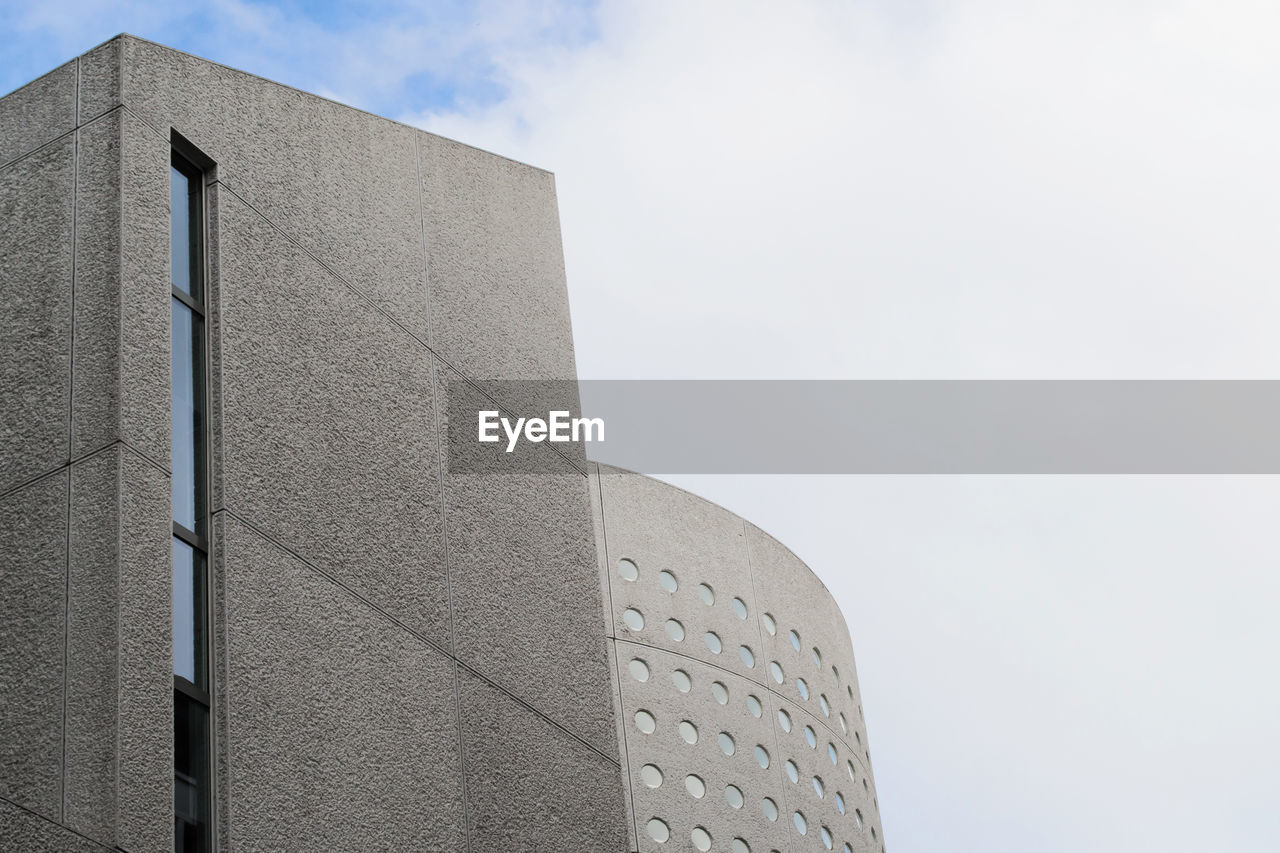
{"points": [[814, 762], [33, 578], [96, 370], [661, 528], [30, 833], [35, 332], [340, 182], [42, 110], [530, 787], [666, 749], [330, 748], [326, 430], [500, 307], [144, 759], [91, 652], [100, 80], [526, 594]]}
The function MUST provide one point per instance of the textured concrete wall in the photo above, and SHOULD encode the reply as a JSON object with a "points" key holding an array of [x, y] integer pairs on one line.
{"points": [[405, 658], [701, 607]]}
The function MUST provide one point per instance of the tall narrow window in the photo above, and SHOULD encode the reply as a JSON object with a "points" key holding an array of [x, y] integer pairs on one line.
{"points": [[192, 704]]}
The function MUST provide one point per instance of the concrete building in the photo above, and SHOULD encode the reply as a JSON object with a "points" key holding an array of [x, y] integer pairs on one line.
{"points": [[244, 602]]}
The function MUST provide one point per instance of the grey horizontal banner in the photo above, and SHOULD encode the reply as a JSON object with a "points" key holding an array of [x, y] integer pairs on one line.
{"points": [[871, 427]]}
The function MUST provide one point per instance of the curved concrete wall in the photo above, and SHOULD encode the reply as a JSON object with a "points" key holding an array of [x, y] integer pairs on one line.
{"points": [[738, 693]]}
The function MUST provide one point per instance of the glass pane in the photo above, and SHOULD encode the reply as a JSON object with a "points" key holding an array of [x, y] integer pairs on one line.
{"points": [[184, 232], [185, 370], [189, 650], [191, 775]]}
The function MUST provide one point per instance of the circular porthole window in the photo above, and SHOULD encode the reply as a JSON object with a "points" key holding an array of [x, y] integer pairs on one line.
{"points": [[753, 705], [695, 786], [844, 725], [688, 732], [651, 776], [740, 608], [733, 796], [810, 738], [720, 692], [817, 657], [818, 787], [770, 808], [739, 846], [707, 594], [826, 837], [775, 670], [857, 816], [824, 705], [701, 838], [802, 825], [628, 570], [747, 657], [675, 630], [762, 756], [795, 641], [681, 680], [713, 642], [803, 688], [639, 669], [840, 802], [645, 722], [727, 745], [633, 619], [793, 772], [832, 754], [667, 581], [784, 720], [658, 830], [769, 624]]}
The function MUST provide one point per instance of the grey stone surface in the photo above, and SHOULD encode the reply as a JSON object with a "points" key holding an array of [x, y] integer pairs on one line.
{"points": [[499, 303], [96, 367], [25, 831], [342, 725], [145, 290], [340, 182], [33, 577], [92, 687], [526, 589], [144, 758], [530, 787], [664, 748], [35, 334], [327, 427], [100, 80], [42, 110], [662, 528]]}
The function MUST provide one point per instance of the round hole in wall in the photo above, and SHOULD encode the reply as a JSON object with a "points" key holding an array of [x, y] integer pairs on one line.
{"points": [[824, 704], [775, 669], [802, 825], [747, 657], [840, 802], [701, 838], [826, 837], [733, 796], [795, 640], [847, 848], [681, 680], [817, 657], [658, 830], [832, 754], [740, 846], [844, 725], [873, 832], [739, 608], [707, 594], [667, 581], [819, 788], [675, 630], [803, 688], [769, 624], [753, 705], [864, 784], [849, 767], [720, 692], [713, 642], [651, 775], [645, 722], [633, 619], [628, 570], [857, 816], [688, 731], [695, 786], [810, 738], [849, 687], [727, 745], [762, 756], [639, 669], [836, 673], [770, 808], [793, 772], [784, 720]]}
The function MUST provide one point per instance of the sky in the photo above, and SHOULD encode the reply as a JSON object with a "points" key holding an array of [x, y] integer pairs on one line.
{"points": [[907, 189]]}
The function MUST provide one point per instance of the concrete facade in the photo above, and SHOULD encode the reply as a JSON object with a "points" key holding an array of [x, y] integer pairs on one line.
{"points": [[404, 658]]}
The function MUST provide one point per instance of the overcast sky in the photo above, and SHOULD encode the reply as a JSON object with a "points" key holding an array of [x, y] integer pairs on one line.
{"points": [[903, 189]]}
